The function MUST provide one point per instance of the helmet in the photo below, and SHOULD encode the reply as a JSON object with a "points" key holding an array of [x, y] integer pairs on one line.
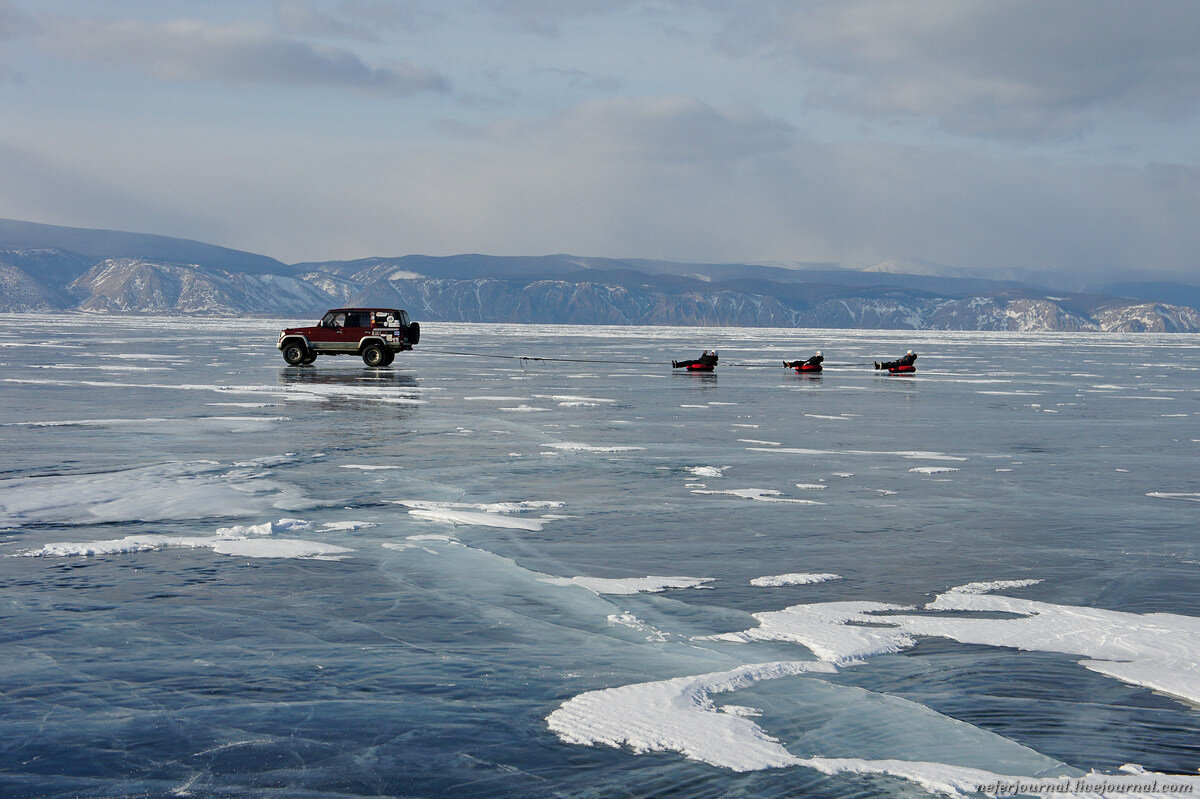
{"points": [[819, 352], [910, 352]]}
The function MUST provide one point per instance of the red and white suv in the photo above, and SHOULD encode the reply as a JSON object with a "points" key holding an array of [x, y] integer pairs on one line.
{"points": [[375, 334]]}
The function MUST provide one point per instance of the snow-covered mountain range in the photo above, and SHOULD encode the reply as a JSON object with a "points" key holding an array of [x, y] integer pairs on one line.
{"points": [[44, 267]]}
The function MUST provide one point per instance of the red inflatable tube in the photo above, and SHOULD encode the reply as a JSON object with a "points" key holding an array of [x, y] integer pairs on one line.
{"points": [[701, 367], [808, 367], [907, 369]]}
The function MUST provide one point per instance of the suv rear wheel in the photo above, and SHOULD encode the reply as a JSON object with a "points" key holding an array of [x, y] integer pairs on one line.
{"points": [[375, 355], [295, 353]]}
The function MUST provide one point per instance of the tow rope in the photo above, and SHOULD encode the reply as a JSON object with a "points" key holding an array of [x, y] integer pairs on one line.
{"points": [[602, 360]]}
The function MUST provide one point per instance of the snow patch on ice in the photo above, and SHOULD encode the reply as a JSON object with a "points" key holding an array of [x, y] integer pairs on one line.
{"points": [[348, 525], [758, 495], [629, 585], [677, 715], [572, 446], [933, 469], [634, 623], [794, 578], [708, 471], [1174, 495], [1155, 650], [564, 399], [911, 454], [833, 631], [451, 516], [989, 587]]}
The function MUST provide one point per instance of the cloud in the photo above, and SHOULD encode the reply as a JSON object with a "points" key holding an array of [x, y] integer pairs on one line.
{"points": [[672, 177], [659, 177], [666, 129], [1009, 68], [12, 20], [13, 23], [187, 50], [302, 18]]}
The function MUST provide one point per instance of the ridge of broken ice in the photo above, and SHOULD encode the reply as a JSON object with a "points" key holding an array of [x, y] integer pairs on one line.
{"points": [[628, 585], [482, 514], [243, 541]]}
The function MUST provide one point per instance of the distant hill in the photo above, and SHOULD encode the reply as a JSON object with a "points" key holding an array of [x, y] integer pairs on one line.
{"points": [[100, 244], [1156, 291], [47, 267]]}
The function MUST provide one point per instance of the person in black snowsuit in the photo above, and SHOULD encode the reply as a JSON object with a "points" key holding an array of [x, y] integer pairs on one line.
{"points": [[709, 358], [815, 360], [906, 360]]}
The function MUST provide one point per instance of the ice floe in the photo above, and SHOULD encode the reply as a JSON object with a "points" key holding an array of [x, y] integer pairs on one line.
{"points": [[707, 471], [933, 469], [794, 578]]}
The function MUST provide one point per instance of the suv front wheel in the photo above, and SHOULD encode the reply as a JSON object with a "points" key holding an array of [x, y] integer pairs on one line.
{"points": [[295, 353]]}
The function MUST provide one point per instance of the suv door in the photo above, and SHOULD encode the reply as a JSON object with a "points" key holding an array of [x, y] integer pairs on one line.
{"points": [[358, 324], [327, 335]]}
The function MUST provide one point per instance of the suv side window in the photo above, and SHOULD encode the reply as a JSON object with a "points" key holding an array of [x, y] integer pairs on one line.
{"points": [[358, 319], [334, 320]]}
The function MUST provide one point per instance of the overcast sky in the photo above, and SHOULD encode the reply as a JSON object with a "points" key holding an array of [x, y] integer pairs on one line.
{"points": [[974, 133]]}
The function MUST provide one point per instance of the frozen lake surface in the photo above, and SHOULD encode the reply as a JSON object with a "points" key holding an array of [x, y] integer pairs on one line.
{"points": [[470, 576]]}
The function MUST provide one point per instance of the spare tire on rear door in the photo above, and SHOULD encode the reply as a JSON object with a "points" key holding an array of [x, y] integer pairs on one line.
{"points": [[412, 334]]}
